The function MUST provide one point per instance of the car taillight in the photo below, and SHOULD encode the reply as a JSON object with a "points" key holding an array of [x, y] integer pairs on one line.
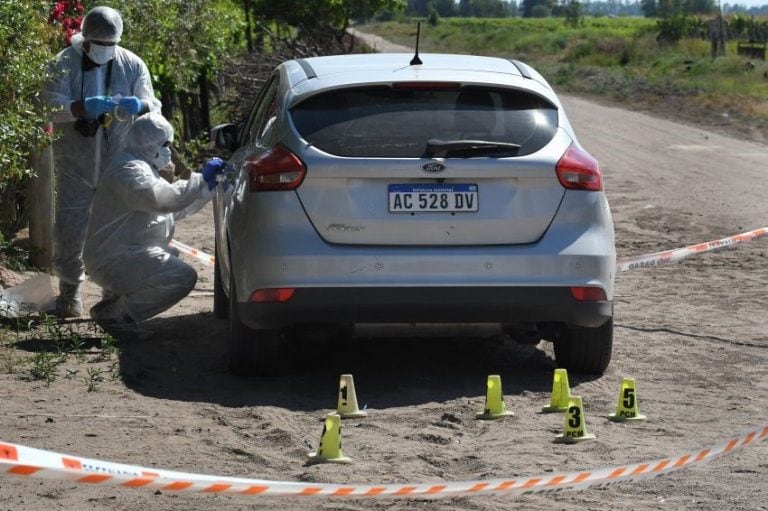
{"points": [[277, 169], [589, 294], [426, 85], [277, 294], [578, 170]]}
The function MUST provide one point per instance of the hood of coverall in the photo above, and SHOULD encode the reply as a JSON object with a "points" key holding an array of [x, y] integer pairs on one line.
{"points": [[102, 24], [148, 133]]}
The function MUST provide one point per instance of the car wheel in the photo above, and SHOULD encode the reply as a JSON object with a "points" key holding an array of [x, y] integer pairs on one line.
{"points": [[220, 300], [252, 352], [585, 350]]}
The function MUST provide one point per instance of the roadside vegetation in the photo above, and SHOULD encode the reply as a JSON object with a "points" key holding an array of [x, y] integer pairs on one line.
{"points": [[665, 66]]}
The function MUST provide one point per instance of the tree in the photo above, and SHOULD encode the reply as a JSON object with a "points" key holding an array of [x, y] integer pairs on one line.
{"points": [[537, 8], [183, 43], [445, 8], [649, 8], [417, 7], [572, 13]]}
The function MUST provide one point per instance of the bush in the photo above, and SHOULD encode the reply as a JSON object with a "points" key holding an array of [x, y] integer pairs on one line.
{"points": [[24, 53]]}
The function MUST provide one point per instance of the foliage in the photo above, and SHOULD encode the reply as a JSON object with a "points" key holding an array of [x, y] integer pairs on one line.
{"points": [[321, 15], [25, 39], [572, 13], [184, 43]]}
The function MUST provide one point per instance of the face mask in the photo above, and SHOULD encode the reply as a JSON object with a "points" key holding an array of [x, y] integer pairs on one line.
{"points": [[101, 54], [163, 158]]}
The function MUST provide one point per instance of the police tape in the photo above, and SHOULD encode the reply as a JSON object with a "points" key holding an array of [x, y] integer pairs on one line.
{"points": [[672, 256], [624, 264], [198, 254], [19, 460]]}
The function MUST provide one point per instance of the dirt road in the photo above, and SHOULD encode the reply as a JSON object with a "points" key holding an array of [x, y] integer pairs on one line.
{"points": [[694, 335]]}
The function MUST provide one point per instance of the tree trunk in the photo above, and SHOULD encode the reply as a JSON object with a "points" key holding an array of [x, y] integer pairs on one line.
{"points": [[205, 107]]}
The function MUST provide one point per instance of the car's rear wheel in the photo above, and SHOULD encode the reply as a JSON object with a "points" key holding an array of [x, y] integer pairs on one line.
{"points": [[253, 352], [585, 350], [220, 300]]}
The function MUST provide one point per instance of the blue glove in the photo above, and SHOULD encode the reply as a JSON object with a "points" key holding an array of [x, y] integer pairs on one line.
{"points": [[97, 105], [213, 168], [130, 104]]}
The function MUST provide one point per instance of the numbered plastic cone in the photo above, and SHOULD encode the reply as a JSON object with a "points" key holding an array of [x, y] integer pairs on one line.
{"points": [[330, 443], [561, 391], [347, 406], [494, 400], [575, 424], [626, 409]]}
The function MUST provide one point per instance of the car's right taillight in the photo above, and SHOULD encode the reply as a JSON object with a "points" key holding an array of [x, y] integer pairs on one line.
{"points": [[578, 170], [276, 169]]}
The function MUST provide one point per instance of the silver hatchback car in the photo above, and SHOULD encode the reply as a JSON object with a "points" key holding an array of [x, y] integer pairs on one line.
{"points": [[371, 190]]}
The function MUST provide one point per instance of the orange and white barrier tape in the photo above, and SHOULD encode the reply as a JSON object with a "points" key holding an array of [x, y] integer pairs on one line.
{"points": [[199, 254], [672, 256], [19, 460], [625, 264]]}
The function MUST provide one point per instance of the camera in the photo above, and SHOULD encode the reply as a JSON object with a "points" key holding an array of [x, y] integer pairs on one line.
{"points": [[87, 127]]}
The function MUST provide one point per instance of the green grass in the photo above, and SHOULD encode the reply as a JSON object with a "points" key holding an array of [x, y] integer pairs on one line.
{"points": [[616, 58]]}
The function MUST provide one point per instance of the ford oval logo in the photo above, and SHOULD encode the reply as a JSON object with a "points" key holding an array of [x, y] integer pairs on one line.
{"points": [[433, 166]]}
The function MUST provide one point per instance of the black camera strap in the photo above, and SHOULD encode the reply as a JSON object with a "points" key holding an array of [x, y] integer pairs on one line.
{"points": [[86, 65]]}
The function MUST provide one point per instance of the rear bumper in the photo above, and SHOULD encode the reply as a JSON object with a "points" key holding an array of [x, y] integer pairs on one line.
{"points": [[504, 305]]}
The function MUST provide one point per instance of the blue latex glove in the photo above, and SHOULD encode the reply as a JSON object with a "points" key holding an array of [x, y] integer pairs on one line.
{"points": [[210, 170], [130, 104], [97, 105]]}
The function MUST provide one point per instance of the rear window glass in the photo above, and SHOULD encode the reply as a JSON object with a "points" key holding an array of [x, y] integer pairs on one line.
{"points": [[397, 123]]}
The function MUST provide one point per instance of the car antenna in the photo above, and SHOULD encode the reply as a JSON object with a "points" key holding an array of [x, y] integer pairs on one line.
{"points": [[415, 61]]}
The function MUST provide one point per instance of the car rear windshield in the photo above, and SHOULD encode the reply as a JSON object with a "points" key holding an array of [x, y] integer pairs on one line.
{"points": [[397, 123]]}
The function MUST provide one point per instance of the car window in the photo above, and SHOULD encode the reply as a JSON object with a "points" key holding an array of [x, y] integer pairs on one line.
{"points": [[263, 114], [390, 122]]}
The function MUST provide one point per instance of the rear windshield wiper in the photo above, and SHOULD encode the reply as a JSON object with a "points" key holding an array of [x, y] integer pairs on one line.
{"points": [[467, 148]]}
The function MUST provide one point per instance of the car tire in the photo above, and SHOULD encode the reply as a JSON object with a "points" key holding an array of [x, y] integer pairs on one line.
{"points": [[252, 352], [585, 350], [220, 300]]}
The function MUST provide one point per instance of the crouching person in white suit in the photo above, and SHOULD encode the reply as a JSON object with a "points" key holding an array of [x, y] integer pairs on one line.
{"points": [[132, 222]]}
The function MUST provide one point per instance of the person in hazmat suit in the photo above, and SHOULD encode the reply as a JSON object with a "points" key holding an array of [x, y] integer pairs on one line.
{"points": [[127, 246], [96, 90]]}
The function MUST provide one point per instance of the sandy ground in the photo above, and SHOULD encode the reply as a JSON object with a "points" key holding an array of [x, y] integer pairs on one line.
{"points": [[693, 335]]}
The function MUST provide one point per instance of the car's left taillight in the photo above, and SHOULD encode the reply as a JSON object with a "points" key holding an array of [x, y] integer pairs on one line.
{"points": [[578, 170], [276, 169]]}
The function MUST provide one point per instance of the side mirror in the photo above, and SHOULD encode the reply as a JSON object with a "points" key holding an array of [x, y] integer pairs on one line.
{"points": [[224, 136]]}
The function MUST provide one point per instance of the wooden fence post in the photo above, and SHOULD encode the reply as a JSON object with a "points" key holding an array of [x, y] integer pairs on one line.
{"points": [[40, 200]]}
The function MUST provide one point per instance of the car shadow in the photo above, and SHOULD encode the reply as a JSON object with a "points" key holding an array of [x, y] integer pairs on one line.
{"points": [[187, 360]]}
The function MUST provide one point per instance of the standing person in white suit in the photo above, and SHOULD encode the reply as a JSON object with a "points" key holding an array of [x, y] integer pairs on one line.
{"points": [[93, 81]]}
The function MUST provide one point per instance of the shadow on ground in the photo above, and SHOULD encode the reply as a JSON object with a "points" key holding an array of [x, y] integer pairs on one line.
{"points": [[187, 360]]}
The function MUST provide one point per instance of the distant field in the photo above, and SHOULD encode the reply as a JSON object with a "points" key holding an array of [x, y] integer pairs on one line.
{"points": [[618, 59]]}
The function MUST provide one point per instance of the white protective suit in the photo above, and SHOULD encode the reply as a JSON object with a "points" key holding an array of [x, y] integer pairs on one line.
{"points": [[79, 159], [126, 250]]}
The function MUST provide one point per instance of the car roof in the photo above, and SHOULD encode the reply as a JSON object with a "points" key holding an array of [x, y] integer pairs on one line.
{"points": [[311, 75]]}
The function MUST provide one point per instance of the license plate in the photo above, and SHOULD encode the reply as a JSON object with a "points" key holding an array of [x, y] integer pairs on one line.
{"points": [[416, 198]]}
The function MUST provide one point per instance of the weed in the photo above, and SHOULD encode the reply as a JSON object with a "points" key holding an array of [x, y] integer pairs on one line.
{"points": [[44, 366], [10, 363], [14, 257], [93, 378]]}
